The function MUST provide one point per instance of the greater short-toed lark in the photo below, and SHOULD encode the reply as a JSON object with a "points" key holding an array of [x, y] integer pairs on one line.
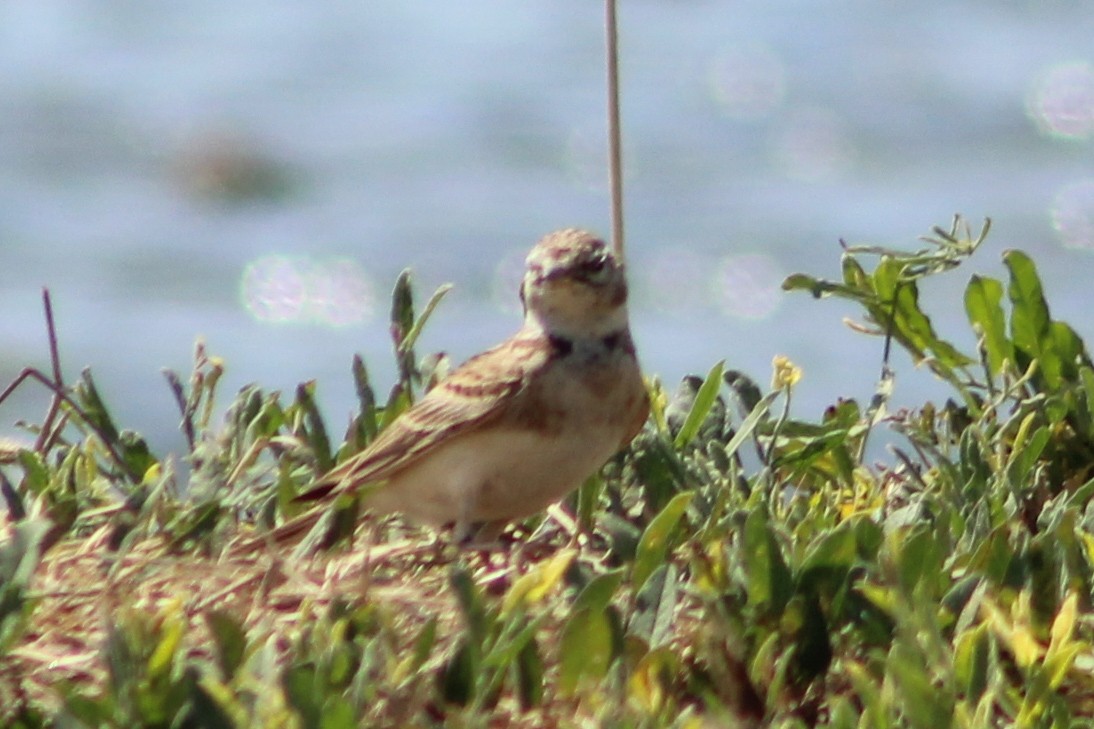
{"points": [[521, 425]]}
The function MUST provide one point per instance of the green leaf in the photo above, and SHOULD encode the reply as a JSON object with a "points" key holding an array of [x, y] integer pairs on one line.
{"points": [[834, 550], [983, 305], [517, 633], [204, 709], [704, 400], [923, 705], [531, 587], [423, 644], [471, 604], [459, 675], [919, 558], [1025, 454], [655, 607], [588, 502], [338, 714], [599, 592], [843, 713], [769, 582], [1069, 348], [94, 409], [402, 321], [229, 639], [855, 277], [316, 430], [655, 540], [530, 670], [166, 653], [972, 661], [994, 555], [662, 473], [398, 401], [623, 536], [99, 711], [135, 452], [813, 646], [751, 421], [13, 501], [36, 474], [366, 397], [402, 307], [242, 411], [959, 597], [415, 331], [20, 555], [263, 416], [299, 684], [818, 287], [657, 671], [1030, 318], [909, 325], [1086, 422], [586, 650], [867, 689]]}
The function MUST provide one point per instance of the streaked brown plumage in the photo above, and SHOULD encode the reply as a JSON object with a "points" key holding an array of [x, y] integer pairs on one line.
{"points": [[522, 424]]}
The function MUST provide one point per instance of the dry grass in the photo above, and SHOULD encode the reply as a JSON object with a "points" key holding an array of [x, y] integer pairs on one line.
{"points": [[82, 587], [82, 590]]}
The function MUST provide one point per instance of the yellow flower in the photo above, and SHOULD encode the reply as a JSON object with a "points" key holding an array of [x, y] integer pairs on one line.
{"points": [[785, 373]]}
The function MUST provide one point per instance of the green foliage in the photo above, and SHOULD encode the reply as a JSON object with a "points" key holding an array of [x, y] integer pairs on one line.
{"points": [[736, 565], [19, 557]]}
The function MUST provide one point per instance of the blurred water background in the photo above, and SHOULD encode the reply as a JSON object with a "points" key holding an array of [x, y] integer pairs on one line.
{"points": [[257, 174]]}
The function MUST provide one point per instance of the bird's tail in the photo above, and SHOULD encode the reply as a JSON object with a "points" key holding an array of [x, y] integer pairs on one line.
{"points": [[317, 529]]}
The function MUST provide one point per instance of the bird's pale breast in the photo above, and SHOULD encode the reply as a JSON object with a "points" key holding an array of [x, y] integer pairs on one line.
{"points": [[552, 436]]}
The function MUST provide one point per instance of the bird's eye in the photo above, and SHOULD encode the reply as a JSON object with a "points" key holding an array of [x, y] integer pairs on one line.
{"points": [[595, 268]]}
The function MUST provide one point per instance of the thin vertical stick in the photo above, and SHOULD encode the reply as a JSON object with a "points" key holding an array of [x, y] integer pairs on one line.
{"points": [[43, 441], [615, 152]]}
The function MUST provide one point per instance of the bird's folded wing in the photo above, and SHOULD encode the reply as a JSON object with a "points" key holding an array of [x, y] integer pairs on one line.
{"points": [[474, 394]]}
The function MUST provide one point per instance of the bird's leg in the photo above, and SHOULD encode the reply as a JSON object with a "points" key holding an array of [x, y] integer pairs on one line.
{"points": [[482, 537], [462, 533], [543, 540], [488, 533]]}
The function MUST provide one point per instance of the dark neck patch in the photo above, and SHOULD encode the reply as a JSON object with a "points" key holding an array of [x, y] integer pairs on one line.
{"points": [[616, 340], [561, 345], [612, 341]]}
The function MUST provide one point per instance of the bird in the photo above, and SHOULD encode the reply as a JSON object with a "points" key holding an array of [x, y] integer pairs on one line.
{"points": [[519, 426]]}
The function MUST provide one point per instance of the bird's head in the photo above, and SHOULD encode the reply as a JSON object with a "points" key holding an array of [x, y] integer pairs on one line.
{"points": [[574, 286]]}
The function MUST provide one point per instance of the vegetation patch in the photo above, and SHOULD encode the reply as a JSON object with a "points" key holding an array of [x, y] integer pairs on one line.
{"points": [[736, 566]]}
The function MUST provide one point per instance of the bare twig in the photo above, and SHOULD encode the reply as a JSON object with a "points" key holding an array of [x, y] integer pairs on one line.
{"points": [[615, 151], [50, 429], [60, 396], [48, 433]]}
